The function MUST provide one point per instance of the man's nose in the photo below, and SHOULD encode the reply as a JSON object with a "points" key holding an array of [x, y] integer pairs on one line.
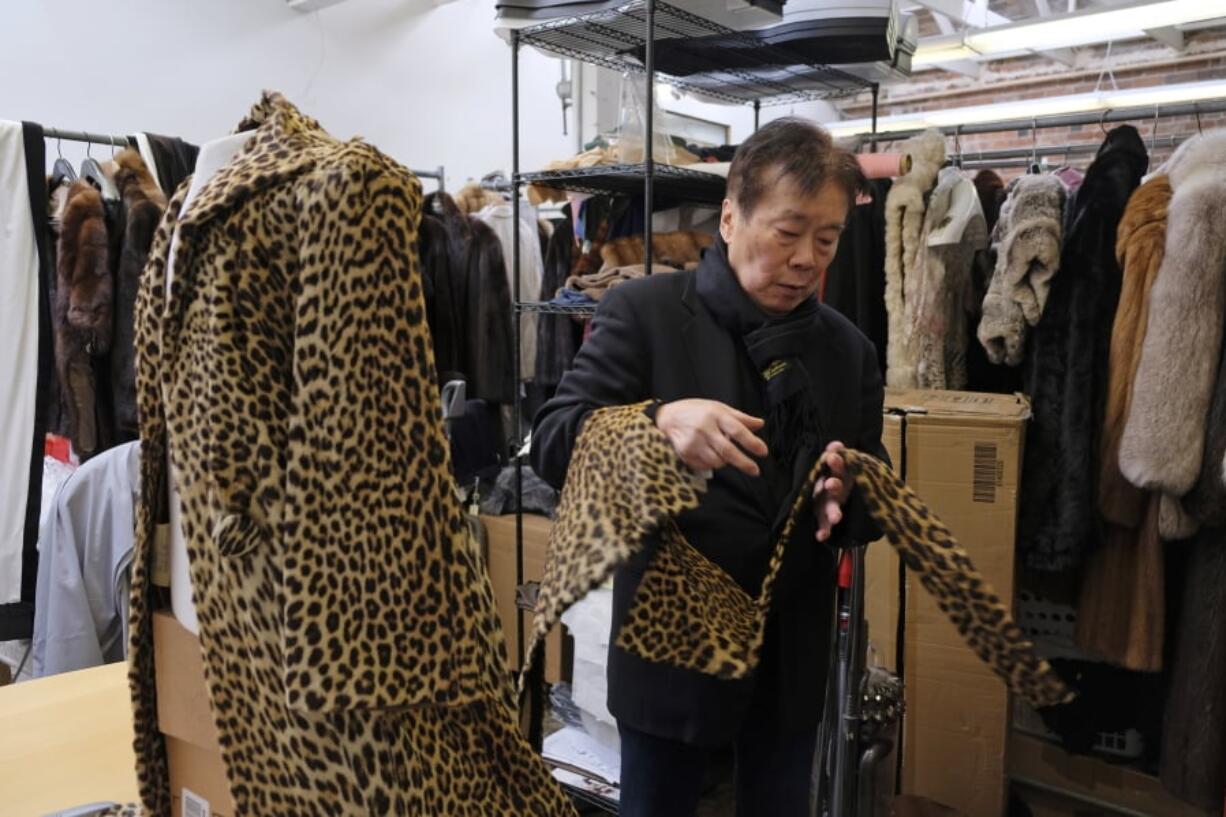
{"points": [[805, 255]]}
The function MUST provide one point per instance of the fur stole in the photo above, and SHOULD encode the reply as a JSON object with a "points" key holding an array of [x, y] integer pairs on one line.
{"points": [[904, 252], [675, 249], [1139, 246], [1163, 440], [1027, 259], [82, 312]]}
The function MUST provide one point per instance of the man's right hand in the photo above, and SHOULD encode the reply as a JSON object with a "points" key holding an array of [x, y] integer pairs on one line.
{"points": [[708, 435]]}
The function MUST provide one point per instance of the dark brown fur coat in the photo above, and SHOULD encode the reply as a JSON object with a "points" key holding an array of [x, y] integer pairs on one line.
{"points": [[82, 315], [143, 205]]}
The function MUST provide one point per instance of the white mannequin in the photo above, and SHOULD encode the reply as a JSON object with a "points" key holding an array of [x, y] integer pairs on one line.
{"points": [[213, 157]]}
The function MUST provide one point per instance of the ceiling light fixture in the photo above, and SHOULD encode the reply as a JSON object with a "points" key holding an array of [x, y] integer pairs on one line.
{"points": [[1094, 25], [1023, 109]]}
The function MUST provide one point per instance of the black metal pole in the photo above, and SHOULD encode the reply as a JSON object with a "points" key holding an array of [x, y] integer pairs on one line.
{"points": [[649, 169], [517, 318], [876, 96], [757, 112]]}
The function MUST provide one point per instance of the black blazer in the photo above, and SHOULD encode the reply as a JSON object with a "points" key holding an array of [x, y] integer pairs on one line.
{"points": [[654, 338]]}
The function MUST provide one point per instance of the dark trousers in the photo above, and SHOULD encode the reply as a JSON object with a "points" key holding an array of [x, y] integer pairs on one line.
{"points": [[663, 778]]}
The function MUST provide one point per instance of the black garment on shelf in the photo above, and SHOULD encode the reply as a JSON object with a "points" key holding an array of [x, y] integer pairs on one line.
{"points": [[17, 618], [558, 336], [538, 496], [176, 160], [654, 337], [1109, 699], [477, 443], [855, 279], [1067, 365], [834, 41]]}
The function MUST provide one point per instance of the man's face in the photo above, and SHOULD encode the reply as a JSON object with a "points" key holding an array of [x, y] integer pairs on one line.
{"points": [[781, 251]]}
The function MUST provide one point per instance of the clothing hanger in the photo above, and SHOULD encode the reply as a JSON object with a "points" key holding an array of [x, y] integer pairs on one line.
{"points": [[1034, 147], [1102, 121], [91, 171], [1153, 136], [958, 147], [62, 172], [1196, 110]]}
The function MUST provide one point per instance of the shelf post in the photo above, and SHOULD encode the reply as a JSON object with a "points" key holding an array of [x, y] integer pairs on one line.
{"points": [[873, 146], [757, 112], [649, 170], [517, 318]]}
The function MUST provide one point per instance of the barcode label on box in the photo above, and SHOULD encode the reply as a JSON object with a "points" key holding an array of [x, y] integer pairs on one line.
{"points": [[194, 805], [984, 486]]}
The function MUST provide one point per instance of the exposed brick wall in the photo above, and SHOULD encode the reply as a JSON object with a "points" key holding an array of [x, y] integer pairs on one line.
{"points": [[1134, 65]]}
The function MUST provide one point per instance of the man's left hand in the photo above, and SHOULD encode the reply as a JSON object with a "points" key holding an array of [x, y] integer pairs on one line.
{"points": [[831, 493]]}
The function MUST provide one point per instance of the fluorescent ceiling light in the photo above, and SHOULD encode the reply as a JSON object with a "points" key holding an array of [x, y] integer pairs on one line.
{"points": [[1094, 25], [1036, 108]]}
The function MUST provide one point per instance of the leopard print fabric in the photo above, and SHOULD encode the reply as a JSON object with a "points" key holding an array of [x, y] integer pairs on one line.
{"points": [[688, 612], [624, 482], [352, 651], [927, 547]]}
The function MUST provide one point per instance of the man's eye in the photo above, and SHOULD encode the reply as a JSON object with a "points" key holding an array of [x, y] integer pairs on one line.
{"points": [[789, 234]]}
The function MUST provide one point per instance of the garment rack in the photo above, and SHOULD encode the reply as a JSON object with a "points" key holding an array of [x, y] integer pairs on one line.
{"points": [[85, 136], [437, 174], [1060, 120], [1014, 157]]}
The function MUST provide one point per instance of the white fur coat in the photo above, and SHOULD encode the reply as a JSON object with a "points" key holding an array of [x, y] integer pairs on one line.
{"points": [[1163, 441]]}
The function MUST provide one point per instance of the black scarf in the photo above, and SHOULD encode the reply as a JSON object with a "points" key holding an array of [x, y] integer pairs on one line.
{"points": [[776, 347]]}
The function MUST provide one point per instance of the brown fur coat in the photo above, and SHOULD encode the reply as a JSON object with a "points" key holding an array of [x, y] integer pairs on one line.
{"points": [[82, 314], [143, 205], [675, 249], [1139, 246], [1163, 441]]}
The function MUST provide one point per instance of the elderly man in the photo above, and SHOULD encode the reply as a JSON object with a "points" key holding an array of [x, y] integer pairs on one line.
{"points": [[752, 378]]}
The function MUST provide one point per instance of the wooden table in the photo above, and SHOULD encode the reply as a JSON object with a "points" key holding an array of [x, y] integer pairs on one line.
{"points": [[66, 741]]}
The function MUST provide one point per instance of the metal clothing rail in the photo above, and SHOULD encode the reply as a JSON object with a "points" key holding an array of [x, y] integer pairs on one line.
{"points": [[1061, 120], [85, 136], [436, 174]]}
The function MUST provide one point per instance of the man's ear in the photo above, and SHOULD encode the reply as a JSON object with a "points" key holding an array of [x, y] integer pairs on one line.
{"points": [[727, 216]]}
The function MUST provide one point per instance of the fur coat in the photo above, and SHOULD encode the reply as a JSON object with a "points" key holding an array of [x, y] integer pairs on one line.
{"points": [[143, 204], [676, 249], [1163, 440], [82, 314], [954, 230], [1066, 368], [1028, 237], [1122, 609], [904, 252], [1139, 248]]}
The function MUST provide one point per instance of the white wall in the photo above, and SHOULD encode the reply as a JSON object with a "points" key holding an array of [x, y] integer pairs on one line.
{"points": [[427, 85]]}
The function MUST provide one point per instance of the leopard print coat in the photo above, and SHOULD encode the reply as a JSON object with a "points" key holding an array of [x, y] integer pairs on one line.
{"points": [[688, 612], [352, 651]]}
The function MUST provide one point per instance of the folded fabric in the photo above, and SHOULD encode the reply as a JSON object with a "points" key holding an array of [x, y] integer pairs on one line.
{"points": [[1028, 236], [596, 284], [569, 297], [625, 484]]}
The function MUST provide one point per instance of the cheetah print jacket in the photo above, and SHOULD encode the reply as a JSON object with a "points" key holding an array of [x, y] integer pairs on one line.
{"points": [[352, 651], [625, 482]]}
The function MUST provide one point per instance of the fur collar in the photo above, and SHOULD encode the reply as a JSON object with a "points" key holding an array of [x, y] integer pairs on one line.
{"points": [[1028, 238], [1164, 439], [904, 221]]}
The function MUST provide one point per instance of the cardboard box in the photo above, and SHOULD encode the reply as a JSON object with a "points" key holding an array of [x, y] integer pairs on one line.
{"points": [[962, 453], [192, 751], [500, 536]]}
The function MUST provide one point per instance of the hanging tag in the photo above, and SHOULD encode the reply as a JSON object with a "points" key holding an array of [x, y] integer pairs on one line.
{"points": [[161, 556]]}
